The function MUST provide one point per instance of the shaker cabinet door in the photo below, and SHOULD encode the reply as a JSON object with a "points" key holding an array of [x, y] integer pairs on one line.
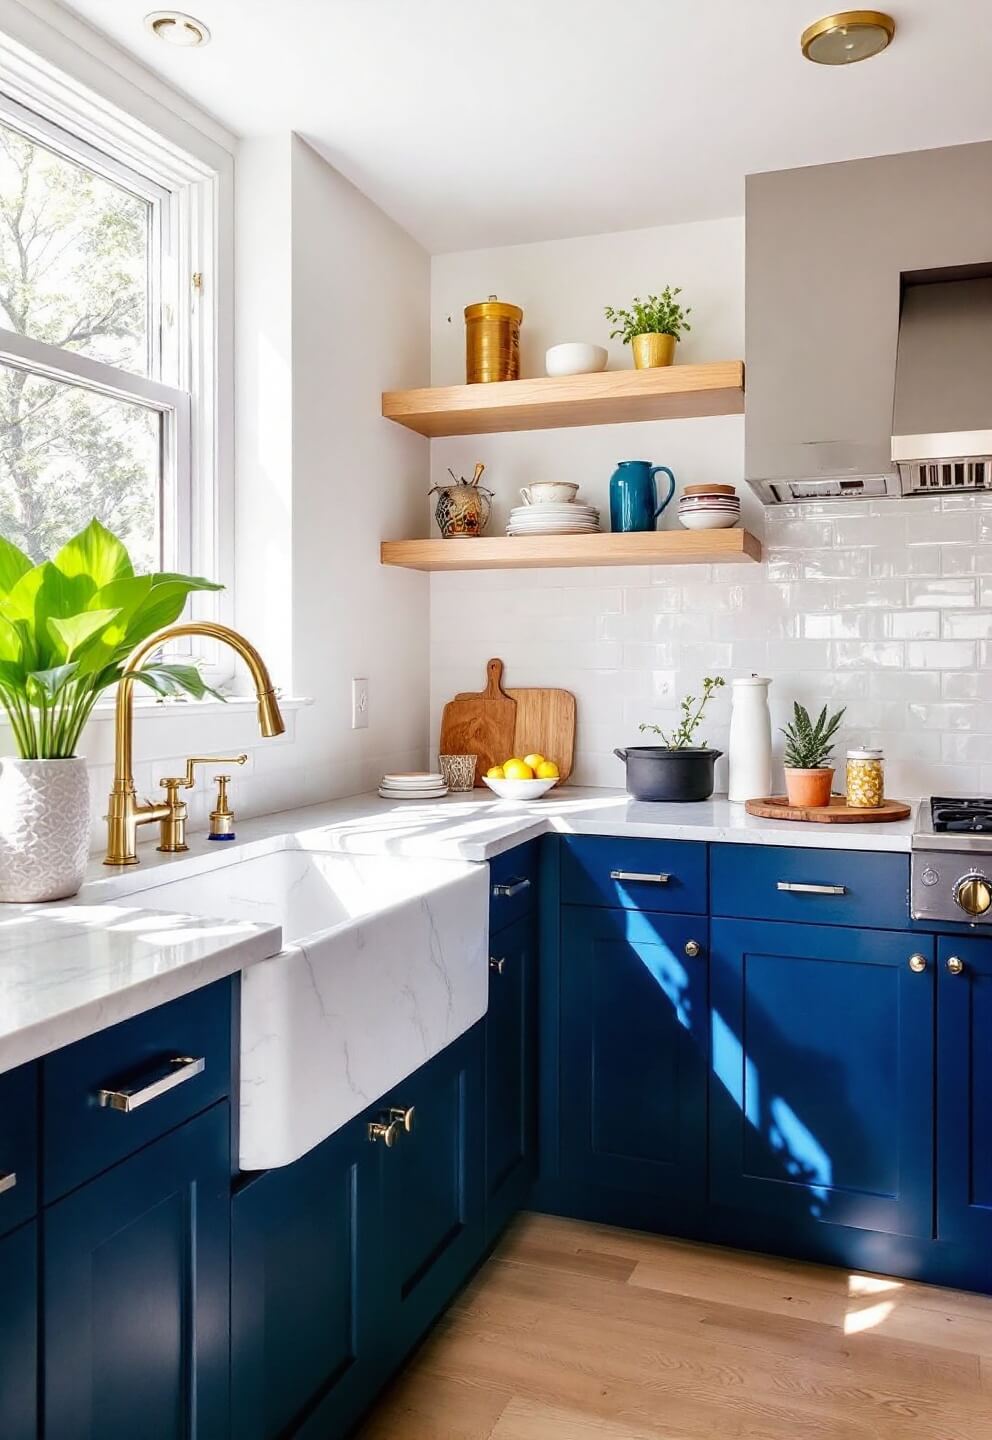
{"points": [[19, 1334], [633, 1053], [821, 1104], [964, 1092], [511, 1072]]}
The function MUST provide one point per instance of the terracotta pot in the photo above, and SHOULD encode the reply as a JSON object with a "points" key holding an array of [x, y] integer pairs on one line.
{"points": [[809, 787], [653, 351]]}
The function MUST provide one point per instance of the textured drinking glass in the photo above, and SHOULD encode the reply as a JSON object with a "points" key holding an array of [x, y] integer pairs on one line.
{"points": [[458, 771]]}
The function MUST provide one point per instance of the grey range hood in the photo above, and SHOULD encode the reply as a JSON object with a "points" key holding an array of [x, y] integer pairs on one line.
{"points": [[869, 327]]}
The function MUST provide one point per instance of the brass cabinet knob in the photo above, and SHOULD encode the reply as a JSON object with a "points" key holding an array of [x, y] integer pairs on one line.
{"points": [[917, 963], [973, 894], [403, 1118], [384, 1131], [955, 965], [498, 965], [692, 948]]}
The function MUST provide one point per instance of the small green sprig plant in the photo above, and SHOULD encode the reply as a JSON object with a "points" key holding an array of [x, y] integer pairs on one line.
{"points": [[657, 315], [692, 713], [808, 744]]}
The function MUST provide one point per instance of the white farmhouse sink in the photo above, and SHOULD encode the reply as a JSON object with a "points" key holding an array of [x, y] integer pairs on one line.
{"points": [[385, 963]]}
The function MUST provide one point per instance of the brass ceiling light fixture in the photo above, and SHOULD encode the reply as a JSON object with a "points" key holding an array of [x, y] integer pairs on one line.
{"points": [[850, 36], [177, 28]]}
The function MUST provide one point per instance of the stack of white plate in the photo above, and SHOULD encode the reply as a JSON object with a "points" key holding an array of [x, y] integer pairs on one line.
{"points": [[573, 517], [417, 785], [709, 507]]}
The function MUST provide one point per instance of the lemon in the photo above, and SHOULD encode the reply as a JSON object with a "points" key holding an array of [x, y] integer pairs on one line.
{"points": [[534, 760], [495, 772], [547, 770], [517, 770]]}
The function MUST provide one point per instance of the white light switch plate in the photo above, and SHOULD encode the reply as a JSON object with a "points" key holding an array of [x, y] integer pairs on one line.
{"points": [[359, 703]]}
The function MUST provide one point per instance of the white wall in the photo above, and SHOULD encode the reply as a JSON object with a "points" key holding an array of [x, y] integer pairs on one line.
{"points": [[885, 608]]}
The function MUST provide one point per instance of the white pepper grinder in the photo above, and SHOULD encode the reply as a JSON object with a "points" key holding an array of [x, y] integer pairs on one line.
{"points": [[750, 740]]}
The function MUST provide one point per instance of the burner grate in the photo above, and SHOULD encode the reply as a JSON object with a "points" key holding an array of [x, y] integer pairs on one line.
{"points": [[961, 816]]}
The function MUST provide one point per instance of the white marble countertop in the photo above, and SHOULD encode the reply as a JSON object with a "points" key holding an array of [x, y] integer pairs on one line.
{"points": [[477, 827], [71, 969]]}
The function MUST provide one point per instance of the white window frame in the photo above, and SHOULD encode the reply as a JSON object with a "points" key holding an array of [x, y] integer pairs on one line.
{"points": [[191, 386]]}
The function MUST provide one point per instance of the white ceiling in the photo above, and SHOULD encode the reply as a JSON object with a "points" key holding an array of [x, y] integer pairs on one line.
{"points": [[476, 123]]}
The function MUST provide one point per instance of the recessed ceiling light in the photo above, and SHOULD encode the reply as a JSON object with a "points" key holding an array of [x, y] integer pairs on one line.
{"points": [[848, 37], [175, 28]]}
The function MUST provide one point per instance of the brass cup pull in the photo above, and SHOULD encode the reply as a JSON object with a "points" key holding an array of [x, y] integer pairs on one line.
{"points": [[955, 965], [498, 965], [403, 1118], [692, 948], [7, 1182], [917, 963], [384, 1130]]}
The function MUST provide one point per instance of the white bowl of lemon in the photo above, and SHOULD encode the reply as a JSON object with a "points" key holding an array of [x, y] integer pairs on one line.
{"points": [[526, 779]]}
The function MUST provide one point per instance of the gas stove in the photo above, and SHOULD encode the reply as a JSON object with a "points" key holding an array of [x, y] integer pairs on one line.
{"points": [[952, 860]]}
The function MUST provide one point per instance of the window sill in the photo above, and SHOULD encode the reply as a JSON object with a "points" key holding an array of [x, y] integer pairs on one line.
{"points": [[164, 709]]}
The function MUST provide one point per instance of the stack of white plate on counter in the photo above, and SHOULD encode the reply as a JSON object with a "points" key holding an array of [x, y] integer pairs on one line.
{"points": [[416, 785], [709, 507], [572, 517]]}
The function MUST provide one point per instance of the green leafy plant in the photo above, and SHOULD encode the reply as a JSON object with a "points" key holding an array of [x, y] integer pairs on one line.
{"points": [[657, 315], [808, 744], [692, 714], [66, 628]]}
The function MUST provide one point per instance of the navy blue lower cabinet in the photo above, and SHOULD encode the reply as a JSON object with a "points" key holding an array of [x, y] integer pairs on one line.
{"points": [[136, 1288], [303, 1300], [432, 1192], [821, 1103], [964, 1093], [633, 1045], [511, 1072], [19, 1334]]}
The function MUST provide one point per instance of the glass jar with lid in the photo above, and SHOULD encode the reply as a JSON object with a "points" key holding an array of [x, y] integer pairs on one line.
{"points": [[865, 779]]}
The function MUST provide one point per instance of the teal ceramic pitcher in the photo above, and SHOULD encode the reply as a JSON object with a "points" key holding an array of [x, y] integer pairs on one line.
{"points": [[634, 495]]}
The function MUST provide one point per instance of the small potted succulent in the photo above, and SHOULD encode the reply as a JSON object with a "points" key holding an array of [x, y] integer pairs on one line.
{"points": [[651, 327], [809, 776], [677, 770]]}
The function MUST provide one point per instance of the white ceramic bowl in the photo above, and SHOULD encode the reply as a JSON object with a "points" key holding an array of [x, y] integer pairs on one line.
{"points": [[709, 519], [519, 789], [575, 358]]}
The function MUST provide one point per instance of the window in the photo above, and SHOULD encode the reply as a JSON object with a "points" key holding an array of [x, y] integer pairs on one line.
{"points": [[92, 421]]}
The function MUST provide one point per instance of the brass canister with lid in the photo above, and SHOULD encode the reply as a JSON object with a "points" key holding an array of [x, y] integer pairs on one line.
{"points": [[492, 341]]}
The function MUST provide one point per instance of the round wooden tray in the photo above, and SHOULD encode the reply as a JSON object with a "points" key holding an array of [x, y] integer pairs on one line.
{"points": [[838, 812]]}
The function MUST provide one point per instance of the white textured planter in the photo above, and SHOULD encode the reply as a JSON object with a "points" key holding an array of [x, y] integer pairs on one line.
{"points": [[44, 828]]}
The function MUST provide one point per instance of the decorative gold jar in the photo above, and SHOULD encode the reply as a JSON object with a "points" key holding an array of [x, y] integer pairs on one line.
{"points": [[865, 779], [492, 341]]}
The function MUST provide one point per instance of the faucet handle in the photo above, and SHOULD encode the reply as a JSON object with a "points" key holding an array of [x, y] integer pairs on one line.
{"points": [[222, 817], [210, 760]]}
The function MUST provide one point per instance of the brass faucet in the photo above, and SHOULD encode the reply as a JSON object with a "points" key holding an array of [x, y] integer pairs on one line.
{"points": [[125, 811]]}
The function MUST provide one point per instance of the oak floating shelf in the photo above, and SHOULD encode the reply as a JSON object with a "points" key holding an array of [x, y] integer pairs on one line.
{"points": [[531, 552], [612, 397]]}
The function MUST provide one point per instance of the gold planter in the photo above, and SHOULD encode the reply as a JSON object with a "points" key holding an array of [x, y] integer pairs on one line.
{"points": [[492, 341], [651, 351]]}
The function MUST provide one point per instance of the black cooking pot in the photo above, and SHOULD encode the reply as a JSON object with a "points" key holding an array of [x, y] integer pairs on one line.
{"points": [[654, 772]]}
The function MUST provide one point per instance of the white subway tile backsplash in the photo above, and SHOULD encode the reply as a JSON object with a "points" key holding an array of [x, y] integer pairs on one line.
{"points": [[946, 592], [941, 655]]}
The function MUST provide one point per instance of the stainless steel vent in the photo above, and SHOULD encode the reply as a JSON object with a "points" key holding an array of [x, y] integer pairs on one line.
{"points": [[946, 477]]}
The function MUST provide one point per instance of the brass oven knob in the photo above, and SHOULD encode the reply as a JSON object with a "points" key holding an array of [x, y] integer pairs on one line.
{"points": [[955, 965], [973, 894]]}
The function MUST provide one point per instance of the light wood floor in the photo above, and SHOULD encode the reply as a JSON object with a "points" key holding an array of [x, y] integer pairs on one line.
{"points": [[579, 1332]]}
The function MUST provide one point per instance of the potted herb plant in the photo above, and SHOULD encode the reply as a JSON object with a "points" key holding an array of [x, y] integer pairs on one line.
{"points": [[677, 770], [809, 777], [66, 628], [651, 327]]}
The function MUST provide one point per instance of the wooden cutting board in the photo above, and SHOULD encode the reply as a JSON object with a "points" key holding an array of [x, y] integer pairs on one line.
{"points": [[838, 812], [481, 724], [545, 723]]}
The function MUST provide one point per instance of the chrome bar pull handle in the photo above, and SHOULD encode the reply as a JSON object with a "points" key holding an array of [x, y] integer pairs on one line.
{"points": [[796, 887], [511, 888], [7, 1182], [640, 879], [174, 1072]]}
